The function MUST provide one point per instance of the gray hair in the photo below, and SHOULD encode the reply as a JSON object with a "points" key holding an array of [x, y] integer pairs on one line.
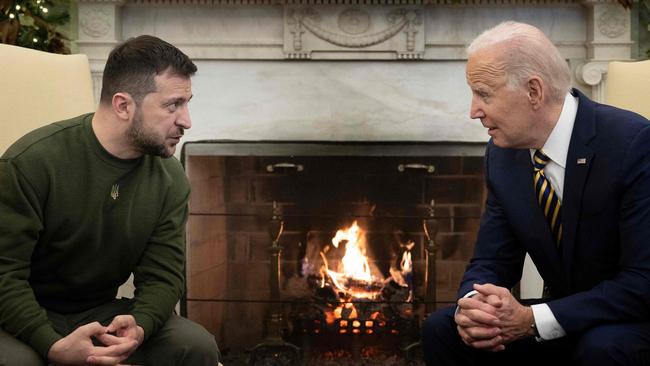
{"points": [[532, 54]]}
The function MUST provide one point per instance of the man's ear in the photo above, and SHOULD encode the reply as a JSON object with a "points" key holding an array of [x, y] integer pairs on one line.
{"points": [[123, 105], [535, 89]]}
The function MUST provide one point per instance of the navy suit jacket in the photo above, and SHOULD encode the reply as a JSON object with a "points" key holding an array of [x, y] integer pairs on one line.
{"points": [[601, 273]]}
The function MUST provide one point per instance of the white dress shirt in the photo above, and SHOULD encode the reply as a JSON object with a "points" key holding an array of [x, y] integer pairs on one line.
{"points": [[556, 148]]}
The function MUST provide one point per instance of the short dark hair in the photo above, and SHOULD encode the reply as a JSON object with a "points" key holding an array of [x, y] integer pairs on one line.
{"points": [[132, 66]]}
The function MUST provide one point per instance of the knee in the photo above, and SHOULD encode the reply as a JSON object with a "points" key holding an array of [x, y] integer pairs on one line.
{"points": [[29, 358], [197, 341], [439, 338], [600, 346], [437, 326], [16, 353]]}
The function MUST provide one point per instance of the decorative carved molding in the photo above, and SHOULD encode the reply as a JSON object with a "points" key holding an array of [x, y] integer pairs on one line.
{"points": [[309, 18], [96, 73], [410, 56], [612, 23], [298, 55], [354, 21], [95, 22], [296, 25], [591, 73], [594, 74], [307, 27]]}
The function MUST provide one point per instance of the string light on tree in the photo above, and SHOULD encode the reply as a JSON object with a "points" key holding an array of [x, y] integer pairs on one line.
{"points": [[34, 24]]}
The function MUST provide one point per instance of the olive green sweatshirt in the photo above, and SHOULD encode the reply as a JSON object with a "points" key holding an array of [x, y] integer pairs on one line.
{"points": [[75, 221]]}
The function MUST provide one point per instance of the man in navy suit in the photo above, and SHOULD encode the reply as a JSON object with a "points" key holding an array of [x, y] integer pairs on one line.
{"points": [[568, 182]]}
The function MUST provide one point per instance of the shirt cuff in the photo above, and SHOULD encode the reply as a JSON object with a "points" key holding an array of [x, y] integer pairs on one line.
{"points": [[547, 326], [469, 294]]}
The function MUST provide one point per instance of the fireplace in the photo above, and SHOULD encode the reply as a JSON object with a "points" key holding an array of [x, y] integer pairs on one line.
{"points": [[327, 253]]}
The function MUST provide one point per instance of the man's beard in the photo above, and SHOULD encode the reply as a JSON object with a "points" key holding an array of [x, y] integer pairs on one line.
{"points": [[144, 142]]}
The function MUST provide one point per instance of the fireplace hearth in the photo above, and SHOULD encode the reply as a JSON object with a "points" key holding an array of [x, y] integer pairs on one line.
{"points": [[323, 253]]}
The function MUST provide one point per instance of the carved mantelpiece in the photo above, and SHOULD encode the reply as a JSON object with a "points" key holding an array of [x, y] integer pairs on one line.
{"points": [[589, 33]]}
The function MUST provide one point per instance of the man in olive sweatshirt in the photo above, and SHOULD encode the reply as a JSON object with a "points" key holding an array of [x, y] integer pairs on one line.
{"points": [[87, 201]]}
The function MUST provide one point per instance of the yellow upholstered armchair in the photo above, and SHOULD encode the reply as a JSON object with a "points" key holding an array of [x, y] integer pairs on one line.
{"points": [[39, 88], [628, 86]]}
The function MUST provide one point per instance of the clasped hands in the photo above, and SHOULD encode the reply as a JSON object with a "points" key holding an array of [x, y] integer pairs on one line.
{"points": [[492, 318], [120, 339]]}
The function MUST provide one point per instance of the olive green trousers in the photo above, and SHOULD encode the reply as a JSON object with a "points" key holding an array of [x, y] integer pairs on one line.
{"points": [[179, 342]]}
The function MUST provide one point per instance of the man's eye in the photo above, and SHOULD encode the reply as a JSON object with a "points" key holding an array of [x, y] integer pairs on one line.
{"points": [[484, 95]]}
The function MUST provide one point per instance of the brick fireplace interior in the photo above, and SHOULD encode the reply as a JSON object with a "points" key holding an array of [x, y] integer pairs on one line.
{"points": [[316, 189]]}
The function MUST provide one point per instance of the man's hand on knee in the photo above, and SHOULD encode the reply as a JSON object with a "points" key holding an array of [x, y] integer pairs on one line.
{"points": [[78, 349], [122, 330], [514, 319], [478, 324], [125, 326]]}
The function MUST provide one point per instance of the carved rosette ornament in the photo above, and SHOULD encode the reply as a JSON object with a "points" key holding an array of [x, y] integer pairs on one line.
{"points": [[354, 21], [95, 22], [354, 31], [612, 23]]}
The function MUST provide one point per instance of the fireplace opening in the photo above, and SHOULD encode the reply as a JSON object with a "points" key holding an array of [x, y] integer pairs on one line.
{"points": [[327, 253]]}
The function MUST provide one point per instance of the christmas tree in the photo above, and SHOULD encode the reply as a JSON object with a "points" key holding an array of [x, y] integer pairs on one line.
{"points": [[34, 23]]}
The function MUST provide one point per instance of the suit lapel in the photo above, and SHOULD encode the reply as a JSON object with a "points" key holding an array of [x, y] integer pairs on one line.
{"points": [[579, 159]]}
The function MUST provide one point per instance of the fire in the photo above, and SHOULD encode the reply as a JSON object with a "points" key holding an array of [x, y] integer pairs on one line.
{"points": [[353, 275], [355, 263], [406, 262], [403, 275], [354, 279]]}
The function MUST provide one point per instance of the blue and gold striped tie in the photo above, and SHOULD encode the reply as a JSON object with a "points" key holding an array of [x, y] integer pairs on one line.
{"points": [[546, 196]]}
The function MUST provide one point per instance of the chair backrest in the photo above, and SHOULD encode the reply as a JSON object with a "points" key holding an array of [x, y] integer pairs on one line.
{"points": [[628, 86], [39, 88]]}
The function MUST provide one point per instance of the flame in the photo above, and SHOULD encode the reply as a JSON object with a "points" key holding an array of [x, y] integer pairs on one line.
{"points": [[402, 275], [355, 263], [354, 276], [406, 262], [354, 279]]}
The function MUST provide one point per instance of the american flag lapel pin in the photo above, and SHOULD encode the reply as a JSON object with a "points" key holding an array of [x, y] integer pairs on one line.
{"points": [[581, 161]]}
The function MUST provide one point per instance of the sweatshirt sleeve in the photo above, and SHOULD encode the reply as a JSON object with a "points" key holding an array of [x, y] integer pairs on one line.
{"points": [[159, 276], [20, 225]]}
